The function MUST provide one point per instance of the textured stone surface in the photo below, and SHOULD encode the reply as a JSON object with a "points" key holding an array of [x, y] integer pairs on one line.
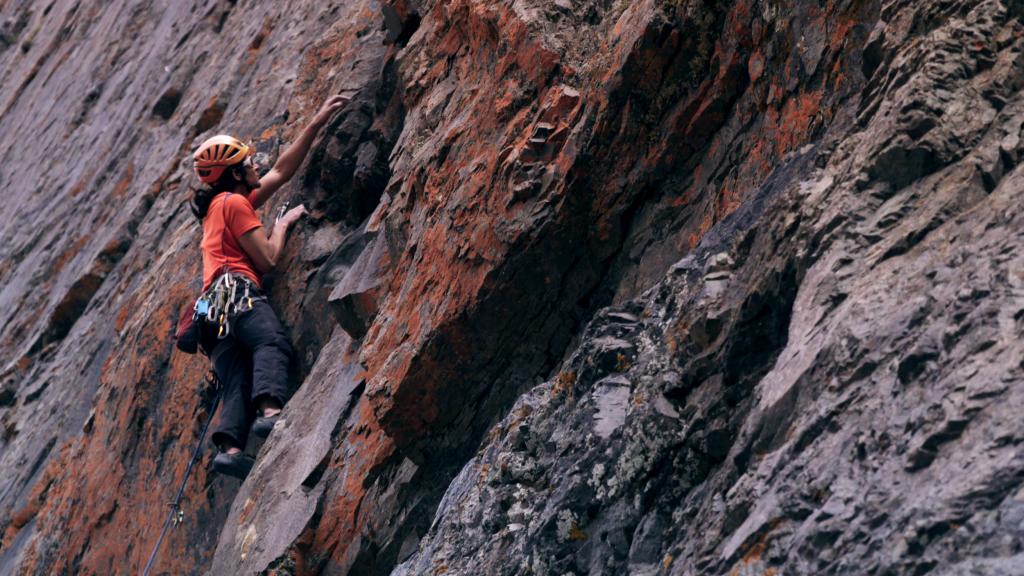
{"points": [[292, 461], [629, 287], [98, 254], [354, 300], [836, 399]]}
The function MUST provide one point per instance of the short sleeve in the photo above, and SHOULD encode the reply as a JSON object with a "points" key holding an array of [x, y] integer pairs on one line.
{"points": [[240, 217]]}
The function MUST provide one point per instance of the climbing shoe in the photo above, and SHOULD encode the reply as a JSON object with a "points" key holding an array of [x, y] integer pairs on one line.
{"points": [[264, 424], [237, 465]]}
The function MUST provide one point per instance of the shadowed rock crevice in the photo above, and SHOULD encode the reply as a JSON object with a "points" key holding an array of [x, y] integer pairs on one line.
{"points": [[352, 166], [578, 527], [78, 296], [436, 423], [793, 414], [401, 19]]}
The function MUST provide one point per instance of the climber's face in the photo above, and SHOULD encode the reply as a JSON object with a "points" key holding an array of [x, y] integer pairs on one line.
{"points": [[252, 177]]}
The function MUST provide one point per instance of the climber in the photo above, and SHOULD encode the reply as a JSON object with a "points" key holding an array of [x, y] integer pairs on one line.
{"points": [[240, 331]]}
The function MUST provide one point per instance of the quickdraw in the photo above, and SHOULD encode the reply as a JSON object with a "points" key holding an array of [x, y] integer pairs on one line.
{"points": [[230, 295]]}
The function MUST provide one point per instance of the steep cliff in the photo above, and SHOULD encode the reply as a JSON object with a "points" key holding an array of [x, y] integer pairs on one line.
{"points": [[589, 287]]}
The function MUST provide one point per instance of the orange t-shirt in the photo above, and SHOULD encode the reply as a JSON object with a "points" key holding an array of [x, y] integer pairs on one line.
{"points": [[229, 217]]}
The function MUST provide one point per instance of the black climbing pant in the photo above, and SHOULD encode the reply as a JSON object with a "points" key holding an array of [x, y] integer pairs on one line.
{"points": [[251, 363]]}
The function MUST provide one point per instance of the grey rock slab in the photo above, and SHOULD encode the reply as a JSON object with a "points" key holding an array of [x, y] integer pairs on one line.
{"points": [[611, 397], [354, 299], [783, 442], [275, 502]]}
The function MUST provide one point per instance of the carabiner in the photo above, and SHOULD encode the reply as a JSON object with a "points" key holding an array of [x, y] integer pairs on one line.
{"points": [[225, 327]]}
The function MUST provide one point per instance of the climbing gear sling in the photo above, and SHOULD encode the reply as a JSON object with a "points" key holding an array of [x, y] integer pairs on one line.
{"points": [[177, 515], [230, 295]]}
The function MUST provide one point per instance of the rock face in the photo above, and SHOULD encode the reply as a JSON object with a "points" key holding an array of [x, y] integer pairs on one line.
{"points": [[588, 287]]}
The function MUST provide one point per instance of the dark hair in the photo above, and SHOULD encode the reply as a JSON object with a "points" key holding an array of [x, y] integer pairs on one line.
{"points": [[202, 197]]}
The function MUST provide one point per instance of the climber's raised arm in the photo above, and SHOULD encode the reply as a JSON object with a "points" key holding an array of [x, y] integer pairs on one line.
{"points": [[292, 158]]}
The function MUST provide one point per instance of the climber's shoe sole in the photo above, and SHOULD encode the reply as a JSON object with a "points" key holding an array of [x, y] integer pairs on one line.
{"points": [[264, 424], [237, 465]]}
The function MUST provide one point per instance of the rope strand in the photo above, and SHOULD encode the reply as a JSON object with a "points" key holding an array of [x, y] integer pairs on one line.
{"points": [[176, 505]]}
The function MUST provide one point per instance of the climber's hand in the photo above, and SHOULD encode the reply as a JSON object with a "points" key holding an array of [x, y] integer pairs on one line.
{"points": [[293, 215], [292, 157], [332, 105]]}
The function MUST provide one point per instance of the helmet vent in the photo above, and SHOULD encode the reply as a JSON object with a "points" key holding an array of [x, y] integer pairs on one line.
{"points": [[216, 154]]}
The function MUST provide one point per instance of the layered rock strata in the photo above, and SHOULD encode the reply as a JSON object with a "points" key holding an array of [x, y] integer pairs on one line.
{"points": [[588, 287]]}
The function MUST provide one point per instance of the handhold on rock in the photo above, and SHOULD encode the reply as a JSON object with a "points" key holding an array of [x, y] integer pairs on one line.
{"points": [[718, 263], [212, 115], [167, 103], [561, 104], [524, 190], [544, 143], [267, 150], [401, 19], [541, 131]]}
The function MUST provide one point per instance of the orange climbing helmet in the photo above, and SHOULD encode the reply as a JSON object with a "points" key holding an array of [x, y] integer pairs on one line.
{"points": [[216, 154]]}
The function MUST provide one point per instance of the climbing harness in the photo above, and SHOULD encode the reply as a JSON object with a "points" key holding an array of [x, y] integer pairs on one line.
{"points": [[230, 295], [177, 515]]}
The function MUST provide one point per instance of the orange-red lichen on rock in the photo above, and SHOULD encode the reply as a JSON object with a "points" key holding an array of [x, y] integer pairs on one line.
{"points": [[754, 554], [68, 254], [124, 183], [755, 65], [727, 201], [82, 182], [34, 503], [705, 224], [133, 380], [344, 515], [794, 121], [254, 47]]}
